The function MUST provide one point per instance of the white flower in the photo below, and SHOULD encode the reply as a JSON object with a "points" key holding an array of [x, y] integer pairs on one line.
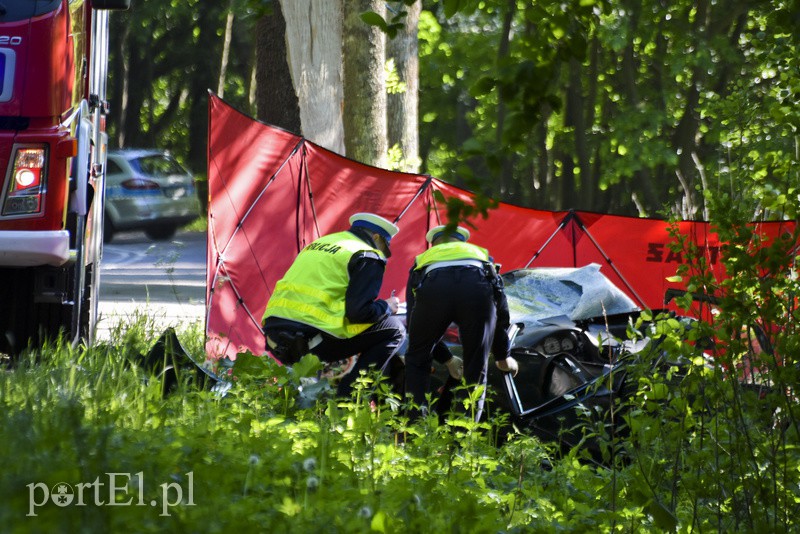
{"points": [[309, 464], [253, 459], [312, 482], [365, 512]]}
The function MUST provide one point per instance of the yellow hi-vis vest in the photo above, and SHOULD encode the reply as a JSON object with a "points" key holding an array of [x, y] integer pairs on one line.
{"points": [[313, 290], [454, 250]]}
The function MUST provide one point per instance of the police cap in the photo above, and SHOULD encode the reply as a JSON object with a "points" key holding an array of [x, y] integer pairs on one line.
{"points": [[374, 223], [460, 233]]}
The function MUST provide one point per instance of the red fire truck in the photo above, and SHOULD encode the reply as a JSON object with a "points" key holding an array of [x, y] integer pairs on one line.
{"points": [[53, 71]]}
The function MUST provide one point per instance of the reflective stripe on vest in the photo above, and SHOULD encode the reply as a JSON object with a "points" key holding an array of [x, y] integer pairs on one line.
{"points": [[454, 250], [313, 290]]}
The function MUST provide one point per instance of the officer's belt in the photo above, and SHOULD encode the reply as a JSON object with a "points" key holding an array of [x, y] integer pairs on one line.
{"points": [[312, 342], [454, 263]]}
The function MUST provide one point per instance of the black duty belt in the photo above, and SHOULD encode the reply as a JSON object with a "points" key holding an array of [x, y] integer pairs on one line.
{"points": [[454, 263]]}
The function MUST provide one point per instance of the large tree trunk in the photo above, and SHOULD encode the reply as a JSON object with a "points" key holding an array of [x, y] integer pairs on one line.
{"points": [[119, 80], [574, 118], [364, 51], [276, 100], [314, 45], [226, 49], [506, 164], [202, 78], [403, 107], [137, 84]]}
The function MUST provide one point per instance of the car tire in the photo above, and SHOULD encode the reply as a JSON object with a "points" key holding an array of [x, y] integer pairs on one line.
{"points": [[108, 230], [161, 233]]}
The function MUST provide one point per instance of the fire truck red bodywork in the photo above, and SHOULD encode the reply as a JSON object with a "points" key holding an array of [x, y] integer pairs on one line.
{"points": [[53, 63]]}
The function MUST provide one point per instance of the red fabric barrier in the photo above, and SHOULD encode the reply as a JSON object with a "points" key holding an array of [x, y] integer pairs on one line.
{"points": [[272, 192]]}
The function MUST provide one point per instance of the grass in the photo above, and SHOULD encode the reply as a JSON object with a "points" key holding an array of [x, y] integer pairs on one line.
{"points": [[198, 225], [277, 452]]}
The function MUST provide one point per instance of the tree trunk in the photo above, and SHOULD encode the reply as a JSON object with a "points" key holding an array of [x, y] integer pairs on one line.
{"points": [[403, 107], [364, 51], [119, 80], [202, 78], [276, 101], [574, 118], [506, 167], [314, 45], [138, 83], [226, 47]]}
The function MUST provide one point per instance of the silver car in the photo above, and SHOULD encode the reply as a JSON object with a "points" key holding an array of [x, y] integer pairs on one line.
{"points": [[148, 190]]}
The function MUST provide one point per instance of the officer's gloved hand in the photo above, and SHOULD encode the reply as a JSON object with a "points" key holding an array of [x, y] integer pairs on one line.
{"points": [[509, 365], [455, 366]]}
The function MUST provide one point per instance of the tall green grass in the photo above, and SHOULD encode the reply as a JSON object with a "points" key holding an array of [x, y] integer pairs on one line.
{"points": [[270, 456]]}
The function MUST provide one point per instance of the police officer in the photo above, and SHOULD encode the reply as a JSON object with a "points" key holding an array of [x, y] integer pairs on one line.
{"points": [[454, 282], [330, 296]]}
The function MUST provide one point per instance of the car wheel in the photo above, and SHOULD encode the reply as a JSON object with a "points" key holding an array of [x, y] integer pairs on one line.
{"points": [[108, 230], [161, 233]]}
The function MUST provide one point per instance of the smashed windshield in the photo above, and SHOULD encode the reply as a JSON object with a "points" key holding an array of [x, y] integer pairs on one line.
{"points": [[578, 293]]}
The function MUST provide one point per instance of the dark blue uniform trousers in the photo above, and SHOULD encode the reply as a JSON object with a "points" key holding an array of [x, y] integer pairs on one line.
{"points": [[376, 345], [460, 295]]}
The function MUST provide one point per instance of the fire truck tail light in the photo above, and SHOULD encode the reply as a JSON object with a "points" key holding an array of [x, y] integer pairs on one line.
{"points": [[26, 189], [26, 178], [30, 158]]}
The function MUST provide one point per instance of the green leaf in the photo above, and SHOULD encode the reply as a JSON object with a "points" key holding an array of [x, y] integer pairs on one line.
{"points": [[248, 364], [451, 7], [663, 517], [311, 393], [309, 365], [379, 522], [483, 86], [373, 19], [472, 146]]}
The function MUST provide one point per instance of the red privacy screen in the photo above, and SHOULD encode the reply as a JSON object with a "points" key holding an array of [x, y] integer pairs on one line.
{"points": [[272, 192]]}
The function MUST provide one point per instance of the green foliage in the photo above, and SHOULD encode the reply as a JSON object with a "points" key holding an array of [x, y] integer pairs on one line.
{"points": [[715, 438], [634, 109], [696, 450], [643, 108], [394, 85], [249, 462], [164, 57]]}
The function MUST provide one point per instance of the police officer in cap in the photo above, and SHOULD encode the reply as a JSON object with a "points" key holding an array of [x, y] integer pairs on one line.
{"points": [[330, 296], [455, 282]]}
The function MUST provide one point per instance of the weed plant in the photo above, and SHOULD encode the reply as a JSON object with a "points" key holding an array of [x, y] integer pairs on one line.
{"points": [[695, 449], [712, 444]]}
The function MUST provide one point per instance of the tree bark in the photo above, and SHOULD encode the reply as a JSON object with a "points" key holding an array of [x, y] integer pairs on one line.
{"points": [[202, 78], [276, 101], [119, 80], [226, 47], [364, 51], [314, 46], [403, 108], [574, 118], [506, 167]]}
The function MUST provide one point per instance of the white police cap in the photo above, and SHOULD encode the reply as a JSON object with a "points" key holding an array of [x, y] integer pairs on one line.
{"points": [[460, 233], [374, 223]]}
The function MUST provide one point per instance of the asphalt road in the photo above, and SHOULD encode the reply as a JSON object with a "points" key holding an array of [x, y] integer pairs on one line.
{"points": [[164, 280]]}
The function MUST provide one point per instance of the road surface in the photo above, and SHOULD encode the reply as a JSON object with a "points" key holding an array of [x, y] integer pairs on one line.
{"points": [[164, 280]]}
